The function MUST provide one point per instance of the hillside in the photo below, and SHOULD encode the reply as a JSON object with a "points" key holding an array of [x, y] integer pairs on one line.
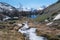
{"points": [[50, 12], [7, 10], [50, 22]]}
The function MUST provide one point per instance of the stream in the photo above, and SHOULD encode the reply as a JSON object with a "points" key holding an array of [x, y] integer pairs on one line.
{"points": [[30, 33]]}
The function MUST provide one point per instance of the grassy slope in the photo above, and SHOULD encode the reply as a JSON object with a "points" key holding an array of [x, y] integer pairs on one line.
{"points": [[7, 34], [10, 35]]}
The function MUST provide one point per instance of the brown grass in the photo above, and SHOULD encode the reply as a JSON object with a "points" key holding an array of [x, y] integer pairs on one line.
{"points": [[10, 35]]}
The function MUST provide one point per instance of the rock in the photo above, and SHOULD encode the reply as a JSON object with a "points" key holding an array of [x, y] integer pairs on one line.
{"points": [[16, 28], [2, 27], [46, 20]]}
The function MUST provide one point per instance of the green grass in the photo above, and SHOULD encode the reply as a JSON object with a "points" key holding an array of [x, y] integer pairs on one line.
{"points": [[41, 18]]}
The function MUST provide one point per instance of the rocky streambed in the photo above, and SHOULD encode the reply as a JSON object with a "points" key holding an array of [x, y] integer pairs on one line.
{"points": [[30, 33]]}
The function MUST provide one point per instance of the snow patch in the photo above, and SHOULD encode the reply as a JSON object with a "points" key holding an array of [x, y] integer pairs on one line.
{"points": [[57, 17], [49, 23]]}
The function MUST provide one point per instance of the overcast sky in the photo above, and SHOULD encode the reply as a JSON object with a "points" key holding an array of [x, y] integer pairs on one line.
{"points": [[29, 3]]}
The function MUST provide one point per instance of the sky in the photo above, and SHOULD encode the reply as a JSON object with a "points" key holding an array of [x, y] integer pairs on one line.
{"points": [[29, 3]]}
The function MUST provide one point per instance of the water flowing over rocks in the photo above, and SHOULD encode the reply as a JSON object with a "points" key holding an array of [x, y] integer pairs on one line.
{"points": [[30, 33]]}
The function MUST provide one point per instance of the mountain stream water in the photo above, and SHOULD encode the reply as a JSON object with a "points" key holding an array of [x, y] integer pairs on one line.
{"points": [[30, 33]]}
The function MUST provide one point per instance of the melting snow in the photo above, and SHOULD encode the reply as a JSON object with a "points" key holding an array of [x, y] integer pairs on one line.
{"points": [[6, 18], [49, 23]]}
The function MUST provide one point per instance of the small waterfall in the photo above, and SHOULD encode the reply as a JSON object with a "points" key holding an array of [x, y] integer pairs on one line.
{"points": [[30, 32]]}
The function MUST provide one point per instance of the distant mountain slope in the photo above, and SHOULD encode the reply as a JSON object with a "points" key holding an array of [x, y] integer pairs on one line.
{"points": [[8, 10], [52, 8], [5, 6], [50, 12]]}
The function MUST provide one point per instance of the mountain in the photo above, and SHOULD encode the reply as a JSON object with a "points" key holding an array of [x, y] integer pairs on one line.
{"points": [[50, 12], [5, 6], [8, 10]]}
